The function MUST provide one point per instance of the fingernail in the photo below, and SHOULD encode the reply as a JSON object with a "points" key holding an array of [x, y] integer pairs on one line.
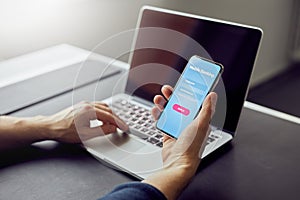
{"points": [[155, 113], [121, 124], [160, 104], [124, 126]]}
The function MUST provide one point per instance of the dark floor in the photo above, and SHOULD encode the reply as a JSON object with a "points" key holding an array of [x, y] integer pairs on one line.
{"points": [[281, 93]]}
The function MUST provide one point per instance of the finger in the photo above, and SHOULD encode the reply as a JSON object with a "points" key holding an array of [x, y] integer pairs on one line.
{"points": [[159, 102], [155, 113], [166, 138], [208, 108], [108, 128], [193, 137], [102, 107], [204, 117], [100, 103], [167, 91], [121, 124], [111, 118]]}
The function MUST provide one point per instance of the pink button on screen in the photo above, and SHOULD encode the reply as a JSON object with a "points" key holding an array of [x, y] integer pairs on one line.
{"points": [[181, 109]]}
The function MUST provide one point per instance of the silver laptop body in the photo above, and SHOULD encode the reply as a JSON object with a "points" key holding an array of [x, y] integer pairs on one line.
{"points": [[138, 152]]}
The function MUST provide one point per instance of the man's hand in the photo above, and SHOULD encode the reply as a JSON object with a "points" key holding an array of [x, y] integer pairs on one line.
{"points": [[73, 124], [181, 156]]}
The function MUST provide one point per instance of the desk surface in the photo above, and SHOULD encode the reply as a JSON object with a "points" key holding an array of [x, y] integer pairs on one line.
{"points": [[262, 162]]}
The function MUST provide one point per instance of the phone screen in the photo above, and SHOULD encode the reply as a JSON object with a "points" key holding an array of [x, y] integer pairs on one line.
{"points": [[196, 81]]}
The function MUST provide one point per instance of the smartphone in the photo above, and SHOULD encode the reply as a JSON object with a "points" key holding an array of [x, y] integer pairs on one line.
{"points": [[199, 77]]}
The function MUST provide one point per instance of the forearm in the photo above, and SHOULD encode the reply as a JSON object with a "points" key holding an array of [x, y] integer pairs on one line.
{"points": [[170, 182], [16, 132]]}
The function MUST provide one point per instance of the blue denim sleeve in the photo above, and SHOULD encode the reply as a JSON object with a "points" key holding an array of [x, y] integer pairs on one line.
{"points": [[134, 190]]}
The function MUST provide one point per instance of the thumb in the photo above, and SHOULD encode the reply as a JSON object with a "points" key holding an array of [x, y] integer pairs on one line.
{"points": [[204, 117], [195, 134], [208, 108]]}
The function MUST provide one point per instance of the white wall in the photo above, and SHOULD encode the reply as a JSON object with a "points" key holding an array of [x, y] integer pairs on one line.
{"points": [[273, 16], [28, 25]]}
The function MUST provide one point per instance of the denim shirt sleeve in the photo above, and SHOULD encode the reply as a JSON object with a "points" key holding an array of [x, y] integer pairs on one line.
{"points": [[134, 190]]}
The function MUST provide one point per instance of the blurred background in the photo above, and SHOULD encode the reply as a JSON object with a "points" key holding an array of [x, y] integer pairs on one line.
{"points": [[29, 25]]}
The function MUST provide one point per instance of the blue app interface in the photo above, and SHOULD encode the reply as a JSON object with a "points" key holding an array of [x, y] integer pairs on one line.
{"points": [[186, 100]]}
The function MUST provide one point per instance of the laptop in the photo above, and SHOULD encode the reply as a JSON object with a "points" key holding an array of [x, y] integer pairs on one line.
{"points": [[163, 43]]}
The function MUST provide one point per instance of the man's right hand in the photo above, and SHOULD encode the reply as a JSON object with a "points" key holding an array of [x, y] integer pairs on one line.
{"points": [[181, 156]]}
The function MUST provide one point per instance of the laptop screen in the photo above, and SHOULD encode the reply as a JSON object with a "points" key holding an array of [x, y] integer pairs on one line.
{"points": [[165, 42]]}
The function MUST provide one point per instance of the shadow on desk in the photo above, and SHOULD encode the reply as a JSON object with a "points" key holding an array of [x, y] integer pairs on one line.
{"points": [[74, 153], [56, 171], [68, 170], [35, 153]]}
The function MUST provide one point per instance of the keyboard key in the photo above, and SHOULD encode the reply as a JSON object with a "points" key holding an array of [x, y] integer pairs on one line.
{"points": [[160, 144], [151, 132], [138, 116], [127, 116], [135, 108], [139, 134], [153, 128], [153, 140], [214, 136], [210, 140], [131, 123], [158, 136], [142, 110], [144, 130], [141, 122], [137, 126], [134, 119], [147, 125], [150, 121]]}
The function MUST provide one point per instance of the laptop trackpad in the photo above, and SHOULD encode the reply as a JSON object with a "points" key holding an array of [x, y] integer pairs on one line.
{"points": [[115, 147], [143, 162]]}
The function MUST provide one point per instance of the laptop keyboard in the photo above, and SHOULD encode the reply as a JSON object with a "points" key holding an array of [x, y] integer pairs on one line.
{"points": [[141, 123], [139, 120]]}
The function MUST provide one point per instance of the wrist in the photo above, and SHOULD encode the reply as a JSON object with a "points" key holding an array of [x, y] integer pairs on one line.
{"points": [[171, 180]]}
